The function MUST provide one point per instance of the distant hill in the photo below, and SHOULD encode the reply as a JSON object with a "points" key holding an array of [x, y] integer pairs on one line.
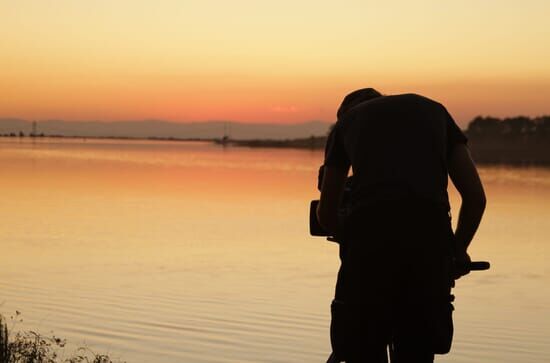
{"points": [[166, 129]]}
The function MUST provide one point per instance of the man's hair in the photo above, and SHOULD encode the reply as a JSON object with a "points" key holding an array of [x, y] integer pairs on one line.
{"points": [[355, 98]]}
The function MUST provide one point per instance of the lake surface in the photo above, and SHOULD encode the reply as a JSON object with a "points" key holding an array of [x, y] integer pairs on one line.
{"points": [[189, 252]]}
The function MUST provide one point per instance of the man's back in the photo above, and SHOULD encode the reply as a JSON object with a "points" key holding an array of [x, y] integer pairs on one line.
{"points": [[398, 147]]}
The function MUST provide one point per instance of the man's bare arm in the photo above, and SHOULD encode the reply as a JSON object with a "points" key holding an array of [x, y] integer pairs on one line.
{"points": [[334, 180], [464, 176]]}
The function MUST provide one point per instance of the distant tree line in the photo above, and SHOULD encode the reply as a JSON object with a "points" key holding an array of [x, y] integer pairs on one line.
{"points": [[522, 127], [517, 140]]}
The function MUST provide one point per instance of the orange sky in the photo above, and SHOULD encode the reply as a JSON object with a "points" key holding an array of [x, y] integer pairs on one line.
{"points": [[268, 61]]}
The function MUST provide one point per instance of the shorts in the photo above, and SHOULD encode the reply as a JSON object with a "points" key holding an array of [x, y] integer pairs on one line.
{"points": [[394, 283]]}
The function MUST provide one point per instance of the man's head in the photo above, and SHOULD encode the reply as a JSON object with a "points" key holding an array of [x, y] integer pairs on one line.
{"points": [[355, 98]]}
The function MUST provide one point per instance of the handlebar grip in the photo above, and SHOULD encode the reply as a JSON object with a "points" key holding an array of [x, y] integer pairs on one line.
{"points": [[479, 265]]}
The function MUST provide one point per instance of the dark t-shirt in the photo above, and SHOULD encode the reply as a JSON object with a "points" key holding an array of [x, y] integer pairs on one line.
{"points": [[397, 147]]}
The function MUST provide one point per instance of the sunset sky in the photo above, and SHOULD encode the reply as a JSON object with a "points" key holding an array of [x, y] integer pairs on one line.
{"points": [[268, 61]]}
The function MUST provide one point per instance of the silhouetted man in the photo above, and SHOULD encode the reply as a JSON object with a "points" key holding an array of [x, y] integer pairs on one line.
{"points": [[393, 287]]}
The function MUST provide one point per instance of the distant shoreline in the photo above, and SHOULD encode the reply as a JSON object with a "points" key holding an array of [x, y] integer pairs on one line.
{"points": [[483, 152], [313, 143], [73, 137], [515, 141]]}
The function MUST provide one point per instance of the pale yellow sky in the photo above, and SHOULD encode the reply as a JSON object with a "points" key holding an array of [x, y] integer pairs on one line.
{"points": [[279, 61]]}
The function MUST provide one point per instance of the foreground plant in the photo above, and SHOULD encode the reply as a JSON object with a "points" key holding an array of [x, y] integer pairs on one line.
{"points": [[32, 347]]}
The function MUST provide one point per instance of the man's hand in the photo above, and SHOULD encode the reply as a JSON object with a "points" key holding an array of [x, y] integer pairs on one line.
{"points": [[461, 264], [334, 180]]}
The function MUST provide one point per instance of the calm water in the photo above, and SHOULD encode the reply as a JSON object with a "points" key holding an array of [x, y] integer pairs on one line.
{"points": [[188, 252]]}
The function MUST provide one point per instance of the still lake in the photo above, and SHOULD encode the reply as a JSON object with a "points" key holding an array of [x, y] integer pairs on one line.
{"points": [[190, 252]]}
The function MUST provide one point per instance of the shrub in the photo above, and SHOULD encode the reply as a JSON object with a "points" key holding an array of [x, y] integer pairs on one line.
{"points": [[32, 347]]}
